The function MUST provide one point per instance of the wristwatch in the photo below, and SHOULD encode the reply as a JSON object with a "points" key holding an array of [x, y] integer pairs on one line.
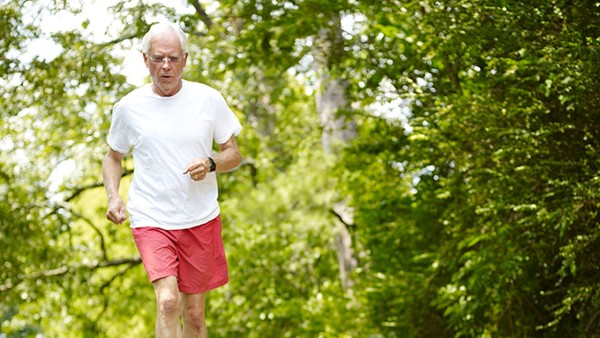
{"points": [[213, 165]]}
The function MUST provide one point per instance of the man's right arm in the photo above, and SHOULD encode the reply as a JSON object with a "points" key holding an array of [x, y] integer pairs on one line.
{"points": [[112, 169]]}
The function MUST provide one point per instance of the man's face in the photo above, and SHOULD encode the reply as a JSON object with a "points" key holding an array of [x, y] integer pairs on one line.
{"points": [[165, 61]]}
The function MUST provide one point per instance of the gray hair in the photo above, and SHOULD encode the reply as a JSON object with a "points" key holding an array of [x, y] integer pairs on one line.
{"points": [[160, 28]]}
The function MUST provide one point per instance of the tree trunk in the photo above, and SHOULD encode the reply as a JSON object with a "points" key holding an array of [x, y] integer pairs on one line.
{"points": [[338, 129]]}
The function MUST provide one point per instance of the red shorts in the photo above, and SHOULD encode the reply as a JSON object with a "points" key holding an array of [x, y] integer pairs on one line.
{"points": [[196, 256]]}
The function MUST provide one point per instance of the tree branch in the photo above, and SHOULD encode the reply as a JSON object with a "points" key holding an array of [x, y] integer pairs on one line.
{"points": [[119, 274], [96, 229], [349, 226], [203, 15], [119, 40], [80, 190], [65, 269]]}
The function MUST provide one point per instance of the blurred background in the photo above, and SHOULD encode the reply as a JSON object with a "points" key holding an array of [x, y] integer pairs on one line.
{"points": [[411, 168]]}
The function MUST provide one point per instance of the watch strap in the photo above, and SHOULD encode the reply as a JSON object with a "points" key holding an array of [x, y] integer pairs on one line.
{"points": [[213, 165]]}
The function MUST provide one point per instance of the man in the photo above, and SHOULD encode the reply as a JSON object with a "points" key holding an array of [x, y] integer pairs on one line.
{"points": [[170, 126]]}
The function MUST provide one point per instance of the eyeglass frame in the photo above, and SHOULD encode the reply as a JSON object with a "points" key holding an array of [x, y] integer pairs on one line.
{"points": [[162, 59]]}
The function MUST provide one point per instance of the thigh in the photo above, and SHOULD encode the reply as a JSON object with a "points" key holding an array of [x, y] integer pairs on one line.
{"points": [[203, 264], [158, 251]]}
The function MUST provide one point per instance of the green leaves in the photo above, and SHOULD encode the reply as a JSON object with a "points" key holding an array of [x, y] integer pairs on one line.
{"points": [[474, 200], [495, 151]]}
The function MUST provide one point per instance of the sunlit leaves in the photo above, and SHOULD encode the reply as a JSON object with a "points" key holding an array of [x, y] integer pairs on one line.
{"points": [[473, 178]]}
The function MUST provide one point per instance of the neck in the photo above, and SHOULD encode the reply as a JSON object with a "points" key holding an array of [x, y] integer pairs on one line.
{"points": [[167, 92]]}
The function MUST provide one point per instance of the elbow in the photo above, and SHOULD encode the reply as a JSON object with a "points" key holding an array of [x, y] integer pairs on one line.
{"points": [[237, 160], [233, 162]]}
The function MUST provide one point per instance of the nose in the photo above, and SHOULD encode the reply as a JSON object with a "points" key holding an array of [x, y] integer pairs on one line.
{"points": [[166, 64]]}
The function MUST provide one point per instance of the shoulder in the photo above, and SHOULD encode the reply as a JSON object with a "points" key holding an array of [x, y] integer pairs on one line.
{"points": [[140, 93], [201, 88]]}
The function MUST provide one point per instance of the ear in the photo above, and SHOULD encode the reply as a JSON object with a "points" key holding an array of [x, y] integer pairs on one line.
{"points": [[145, 59]]}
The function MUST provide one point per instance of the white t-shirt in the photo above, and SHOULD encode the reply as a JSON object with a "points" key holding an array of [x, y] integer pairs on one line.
{"points": [[166, 134]]}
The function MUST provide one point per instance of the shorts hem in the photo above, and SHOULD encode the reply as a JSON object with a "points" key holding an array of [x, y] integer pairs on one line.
{"points": [[161, 276], [203, 290]]}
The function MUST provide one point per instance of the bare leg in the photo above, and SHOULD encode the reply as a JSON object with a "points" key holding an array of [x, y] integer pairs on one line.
{"points": [[193, 306], [168, 305]]}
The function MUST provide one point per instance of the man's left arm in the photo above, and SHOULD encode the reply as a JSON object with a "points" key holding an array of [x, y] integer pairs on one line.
{"points": [[227, 159]]}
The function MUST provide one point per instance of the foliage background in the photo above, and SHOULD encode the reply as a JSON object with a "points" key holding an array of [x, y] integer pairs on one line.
{"points": [[454, 192]]}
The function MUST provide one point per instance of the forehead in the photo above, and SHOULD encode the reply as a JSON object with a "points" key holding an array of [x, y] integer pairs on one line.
{"points": [[166, 43]]}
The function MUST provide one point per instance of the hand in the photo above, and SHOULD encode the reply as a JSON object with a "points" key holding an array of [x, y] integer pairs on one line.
{"points": [[116, 211], [198, 168]]}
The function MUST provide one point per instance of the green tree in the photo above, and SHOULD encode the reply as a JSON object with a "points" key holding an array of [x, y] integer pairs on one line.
{"points": [[459, 136], [500, 146]]}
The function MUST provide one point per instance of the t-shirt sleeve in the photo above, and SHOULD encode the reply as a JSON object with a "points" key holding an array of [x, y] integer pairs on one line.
{"points": [[118, 133], [227, 124]]}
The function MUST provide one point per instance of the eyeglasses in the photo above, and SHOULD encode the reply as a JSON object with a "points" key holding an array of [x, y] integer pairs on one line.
{"points": [[162, 59]]}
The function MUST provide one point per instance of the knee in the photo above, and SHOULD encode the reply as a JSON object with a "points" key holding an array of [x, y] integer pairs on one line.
{"points": [[194, 315], [169, 303]]}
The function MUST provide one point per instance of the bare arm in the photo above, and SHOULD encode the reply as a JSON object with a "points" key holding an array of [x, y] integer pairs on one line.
{"points": [[112, 169], [227, 159]]}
